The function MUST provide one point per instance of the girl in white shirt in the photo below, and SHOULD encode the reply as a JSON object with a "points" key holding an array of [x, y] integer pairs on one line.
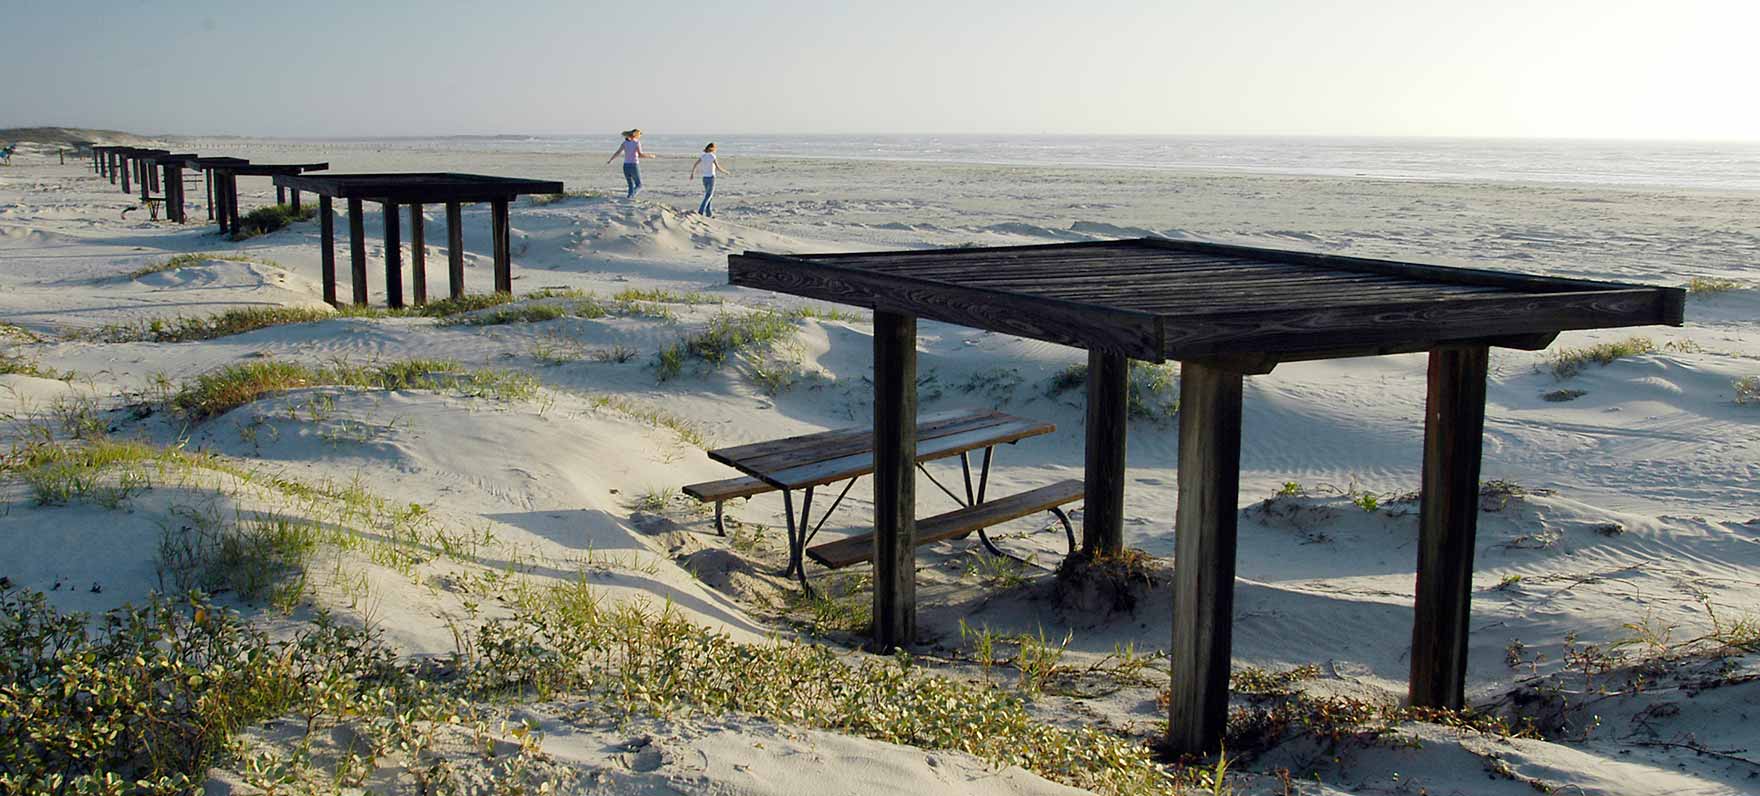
{"points": [[710, 167]]}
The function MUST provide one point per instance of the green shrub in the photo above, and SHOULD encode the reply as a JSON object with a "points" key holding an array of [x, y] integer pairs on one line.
{"points": [[265, 220]]}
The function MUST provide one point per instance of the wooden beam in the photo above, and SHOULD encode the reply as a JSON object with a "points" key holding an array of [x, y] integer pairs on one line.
{"points": [[327, 248], [1448, 516], [418, 255], [503, 250], [1204, 556], [454, 250], [895, 487], [393, 258], [357, 252], [1108, 409]]}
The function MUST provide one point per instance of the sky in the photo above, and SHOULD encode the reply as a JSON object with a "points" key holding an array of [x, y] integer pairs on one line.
{"points": [[1643, 69]]}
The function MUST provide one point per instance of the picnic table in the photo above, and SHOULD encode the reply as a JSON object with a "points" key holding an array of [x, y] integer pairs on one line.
{"points": [[810, 461]]}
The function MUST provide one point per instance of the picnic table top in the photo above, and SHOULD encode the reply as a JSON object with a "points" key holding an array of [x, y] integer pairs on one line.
{"points": [[1156, 299], [829, 456]]}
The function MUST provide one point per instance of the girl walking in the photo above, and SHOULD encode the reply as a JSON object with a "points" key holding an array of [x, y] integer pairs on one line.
{"points": [[710, 167], [631, 150]]}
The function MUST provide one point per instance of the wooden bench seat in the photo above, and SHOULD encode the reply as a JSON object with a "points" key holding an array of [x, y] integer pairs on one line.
{"points": [[727, 489], [856, 549]]}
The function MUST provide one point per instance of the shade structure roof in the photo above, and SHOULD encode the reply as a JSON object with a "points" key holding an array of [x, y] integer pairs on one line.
{"points": [[205, 163], [417, 187], [1156, 299], [249, 169]]}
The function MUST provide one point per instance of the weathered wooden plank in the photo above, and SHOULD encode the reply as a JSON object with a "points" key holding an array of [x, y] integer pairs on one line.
{"points": [[1104, 475], [1204, 556], [454, 250], [895, 481], [503, 247], [860, 437], [1431, 273], [1197, 336], [1135, 335], [393, 258], [1448, 515], [327, 248], [357, 252], [837, 445], [418, 255], [727, 488], [860, 547]]}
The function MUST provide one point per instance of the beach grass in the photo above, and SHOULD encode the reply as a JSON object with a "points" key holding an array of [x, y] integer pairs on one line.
{"points": [[188, 328], [1152, 392], [727, 335], [1568, 362], [219, 391]]}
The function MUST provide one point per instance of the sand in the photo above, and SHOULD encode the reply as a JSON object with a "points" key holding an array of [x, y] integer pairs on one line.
{"points": [[1635, 503]]}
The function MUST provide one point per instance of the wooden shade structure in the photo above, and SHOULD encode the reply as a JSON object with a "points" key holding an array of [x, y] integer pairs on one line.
{"points": [[225, 176], [208, 166], [415, 190], [170, 168], [1223, 312], [136, 169]]}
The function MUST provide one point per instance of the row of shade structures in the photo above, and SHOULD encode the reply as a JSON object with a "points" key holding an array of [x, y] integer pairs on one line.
{"points": [[155, 169], [160, 172]]}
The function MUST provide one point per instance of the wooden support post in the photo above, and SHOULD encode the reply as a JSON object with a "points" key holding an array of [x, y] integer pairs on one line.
{"points": [[1108, 409], [146, 180], [232, 218], [895, 486], [357, 252], [220, 200], [1204, 553], [454, 250], [125, 183], [393, 258], [1448, 516], [327, 250], [152, 176], [418, 255], [208, 176], [295, 193], [503, 250], [280, 195]]}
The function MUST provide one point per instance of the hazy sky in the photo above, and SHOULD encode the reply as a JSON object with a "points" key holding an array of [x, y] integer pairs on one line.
{"points": [[1559, 68]]}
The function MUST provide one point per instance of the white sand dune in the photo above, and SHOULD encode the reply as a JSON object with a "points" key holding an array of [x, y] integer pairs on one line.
{"points": [[1635, 503]]}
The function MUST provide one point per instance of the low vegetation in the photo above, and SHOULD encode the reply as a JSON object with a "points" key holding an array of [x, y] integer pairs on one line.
{"points": [[192, 260], [184, 328], [1708, 285], [1568, 362], [227, 388], [265, 220], [1153, 392], [727, 335], [1747, 390], [542, 199]]}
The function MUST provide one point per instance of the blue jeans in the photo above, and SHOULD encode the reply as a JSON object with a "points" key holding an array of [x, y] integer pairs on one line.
{"points": [[632, 174], [707, 208]]}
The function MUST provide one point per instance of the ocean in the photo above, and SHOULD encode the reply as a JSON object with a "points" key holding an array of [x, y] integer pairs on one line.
{"points": [[1656, 164]]}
